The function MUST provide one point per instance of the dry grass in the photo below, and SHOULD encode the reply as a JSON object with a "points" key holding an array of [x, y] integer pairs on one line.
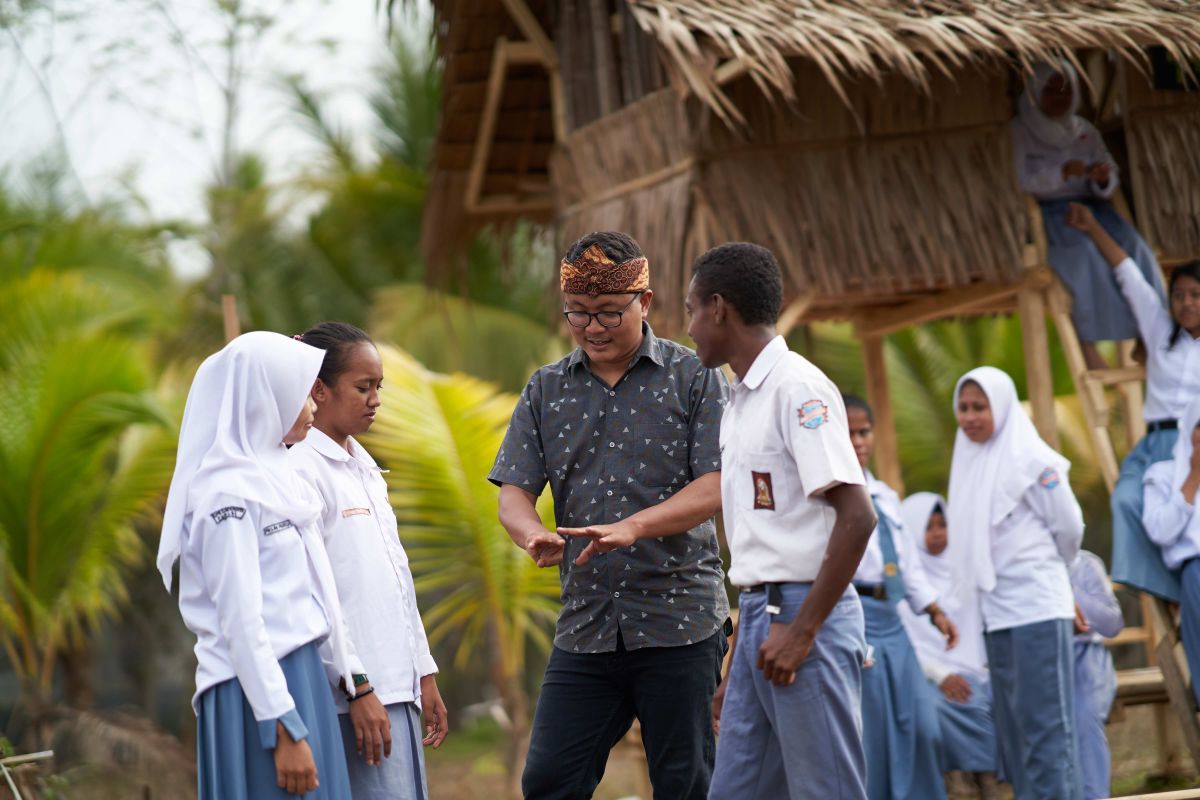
{"points": [[914, 38]]}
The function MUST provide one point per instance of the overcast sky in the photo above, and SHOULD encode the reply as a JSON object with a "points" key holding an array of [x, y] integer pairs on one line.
{"points": [[131, 88]]}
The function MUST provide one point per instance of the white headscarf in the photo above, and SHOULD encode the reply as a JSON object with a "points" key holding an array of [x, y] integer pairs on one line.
{"points": [[916, 509], [1054, 131], [243, 401], [1182, 453], [987, 480], [969, 655]]}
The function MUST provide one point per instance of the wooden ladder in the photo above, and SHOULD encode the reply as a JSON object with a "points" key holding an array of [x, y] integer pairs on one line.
{"points": [[1160, 627]]}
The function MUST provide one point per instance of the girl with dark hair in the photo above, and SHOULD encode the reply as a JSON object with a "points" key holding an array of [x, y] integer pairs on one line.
{"points": [[1172, 337], [381, 732], [900, 728]]}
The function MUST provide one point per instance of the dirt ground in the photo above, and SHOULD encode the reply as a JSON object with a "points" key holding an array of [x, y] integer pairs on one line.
{"points": [[472, 768]]}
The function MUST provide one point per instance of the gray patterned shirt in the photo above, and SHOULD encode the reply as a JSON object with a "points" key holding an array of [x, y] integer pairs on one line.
{"points": [[609, 452]]}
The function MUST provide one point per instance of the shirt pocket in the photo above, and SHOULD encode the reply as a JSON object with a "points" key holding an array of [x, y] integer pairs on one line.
{"points": [[663, 450], [766, 481]]}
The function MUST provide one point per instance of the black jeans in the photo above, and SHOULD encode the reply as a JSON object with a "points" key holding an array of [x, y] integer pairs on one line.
{"points": [[589, 701]]}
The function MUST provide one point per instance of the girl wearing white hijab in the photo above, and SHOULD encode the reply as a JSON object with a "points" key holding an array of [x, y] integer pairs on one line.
{"points": [[1060, 157], [255, 584], [1173, 524], [958, 678], [1017, 526]]}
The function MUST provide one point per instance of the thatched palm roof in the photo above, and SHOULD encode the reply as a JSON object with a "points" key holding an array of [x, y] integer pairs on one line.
{"points": [[855, 38]]}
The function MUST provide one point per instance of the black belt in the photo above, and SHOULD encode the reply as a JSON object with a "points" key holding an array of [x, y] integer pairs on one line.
{"points": [[875, 590], [774, 595], [1162, 425]]}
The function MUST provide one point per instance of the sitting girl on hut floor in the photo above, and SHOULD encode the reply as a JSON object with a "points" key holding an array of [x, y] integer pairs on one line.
{"points": [[1174, 525], [1060, 157], [1172, 379]]}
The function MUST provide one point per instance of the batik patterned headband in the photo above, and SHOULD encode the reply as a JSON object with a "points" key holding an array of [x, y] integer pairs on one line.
{"points": [[595, 273]]}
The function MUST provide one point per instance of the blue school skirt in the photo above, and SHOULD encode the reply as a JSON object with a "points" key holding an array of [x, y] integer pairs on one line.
{"points": [[968, 734], [231, 761], [1098, 308], [1136, 561], [900, 725]]}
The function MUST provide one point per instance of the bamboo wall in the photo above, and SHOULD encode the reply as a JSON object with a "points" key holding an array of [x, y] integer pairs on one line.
{"points": [[1163, 136]]}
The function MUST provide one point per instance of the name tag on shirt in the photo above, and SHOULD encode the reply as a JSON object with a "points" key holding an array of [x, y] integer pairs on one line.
{"points": [[356, 512], [222, 514], [276, 527]]}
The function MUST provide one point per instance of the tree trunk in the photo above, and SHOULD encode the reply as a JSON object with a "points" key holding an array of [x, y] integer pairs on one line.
{"points": [[75, 660]]}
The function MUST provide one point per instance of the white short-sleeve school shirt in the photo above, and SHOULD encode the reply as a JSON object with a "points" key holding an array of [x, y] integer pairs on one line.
{"points": [[784, 443], [371, 569]]}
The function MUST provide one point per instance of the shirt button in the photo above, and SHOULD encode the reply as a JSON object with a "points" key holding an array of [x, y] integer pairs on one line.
{"points": [[616, 594], [612, 394], [610, 492], [612, 444]]}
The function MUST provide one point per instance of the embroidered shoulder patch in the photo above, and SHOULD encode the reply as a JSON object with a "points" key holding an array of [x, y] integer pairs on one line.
{"points": [[222, 514], [1048, 479], [764, 495], [356, 512], [276, 527], [813, 414]]}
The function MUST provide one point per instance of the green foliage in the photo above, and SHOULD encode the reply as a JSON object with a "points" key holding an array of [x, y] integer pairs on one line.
{"points": [[71, 394], [439, 436]]}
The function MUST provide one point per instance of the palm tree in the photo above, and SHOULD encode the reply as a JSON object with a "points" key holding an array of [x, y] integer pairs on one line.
{"points": [[85, 452], [439, 435]]}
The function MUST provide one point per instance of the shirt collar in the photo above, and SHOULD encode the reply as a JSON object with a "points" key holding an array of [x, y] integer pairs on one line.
{"points": [[650, 349], [333, 451], [766, 360]]}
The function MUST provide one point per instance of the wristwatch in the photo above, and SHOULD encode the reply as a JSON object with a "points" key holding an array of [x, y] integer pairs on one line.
{"points": [[359, 679]]}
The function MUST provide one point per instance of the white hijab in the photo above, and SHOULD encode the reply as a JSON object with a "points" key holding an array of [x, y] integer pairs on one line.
{"points": [[1182, 453], [243, 401], [1053, 131], [970, 654], [987, 480], [916, 509]]}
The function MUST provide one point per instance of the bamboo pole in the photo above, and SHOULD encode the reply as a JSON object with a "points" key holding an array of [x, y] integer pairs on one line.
{"points": [[1039, 378], [229, 315], [887, 456]]}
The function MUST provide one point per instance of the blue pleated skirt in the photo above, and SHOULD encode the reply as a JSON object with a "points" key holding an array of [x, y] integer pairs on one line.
{"points": [[900, 725], [232, 763], [1136, 561], [968, 734], [1098, 308]]}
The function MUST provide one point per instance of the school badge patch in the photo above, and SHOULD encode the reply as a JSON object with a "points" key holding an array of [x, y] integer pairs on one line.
{"points": [[764, 495], [222, 514], [1048, 479], [276, 527], [813, 414]]}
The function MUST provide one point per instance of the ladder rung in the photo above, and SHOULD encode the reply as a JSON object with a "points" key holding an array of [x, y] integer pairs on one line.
{"points": [[1116, 375]]}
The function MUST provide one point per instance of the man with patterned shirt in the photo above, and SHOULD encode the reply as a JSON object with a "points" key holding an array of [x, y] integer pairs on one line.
{"points": [[625, 431]]}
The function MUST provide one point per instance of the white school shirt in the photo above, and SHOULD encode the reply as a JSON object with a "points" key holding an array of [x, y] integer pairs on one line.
{"points": [[370, 567], [1172, 373], [917, 590], [784, 442], [1039, 165], [1031, 549], [248, 591], [1170, 521]]}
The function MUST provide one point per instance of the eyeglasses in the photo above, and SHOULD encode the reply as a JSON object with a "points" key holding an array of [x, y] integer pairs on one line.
{"points": [[607, 319]]}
